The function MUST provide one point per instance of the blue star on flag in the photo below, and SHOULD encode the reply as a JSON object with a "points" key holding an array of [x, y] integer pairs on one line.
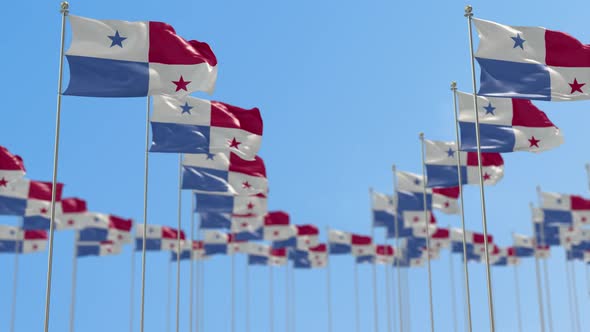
{"points": [[117, 39], [518, 41], [490, 109], [417, 182], [186, 108], [450, 153], [210, 156]]}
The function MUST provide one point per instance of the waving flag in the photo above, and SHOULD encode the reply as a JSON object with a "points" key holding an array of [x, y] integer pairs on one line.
{"points": [[410, 199], [474, 241], [340, 242], [524, 246], [506, 125], [307, 236], [258, 254], [224, 175], [109, 58], [446, 200], [101, 227], [565, 209], [313, 257], [192, 125], [384, 254], [277, 226], [543, 252], [208, 203], [13, 240], [158, 238], [191, 250], [216, 243], [71, 213], [12, 167], [441, 165], [383, 207], [531, 63], [247, 228], [103, 248]]}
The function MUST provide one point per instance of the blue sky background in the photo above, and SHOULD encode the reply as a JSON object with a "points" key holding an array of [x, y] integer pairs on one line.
{"points": [[344, 88]]}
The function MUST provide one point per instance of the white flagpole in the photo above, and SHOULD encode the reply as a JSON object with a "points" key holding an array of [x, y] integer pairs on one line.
{"points": [[397, 247], [247, 291], [538, 276], [132, 290], [202, 291], [575, 294], [329, 285], [374, 270], [145, 215], [17, 248], [388, 293], [464, 238], [546, 273], [517, 293], [587, 279], [356, 297], [233, 290], [178, 242], [427, 225], [453, 300], [287, 308], [64, 10], [408, 299], [294, 306], [469, 15], [271, 299], [74, 280], [192, 267], [169, 297], [569, 296]]}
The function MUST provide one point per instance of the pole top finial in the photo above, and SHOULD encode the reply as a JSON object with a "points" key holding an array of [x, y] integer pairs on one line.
{"points": [[421, 136], [64, 7], [468, 11], [393, 167], [453, 85]]}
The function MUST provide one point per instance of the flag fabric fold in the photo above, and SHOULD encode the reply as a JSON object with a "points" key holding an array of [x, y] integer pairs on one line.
{"points": [[158, 238], [12, 167]]}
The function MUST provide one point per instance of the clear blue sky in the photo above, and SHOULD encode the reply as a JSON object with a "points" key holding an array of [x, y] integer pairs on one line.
{"points": [[344, 88]]}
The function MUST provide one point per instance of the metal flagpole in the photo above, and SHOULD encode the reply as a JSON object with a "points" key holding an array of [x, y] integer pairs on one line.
{"points": [[453, 300], [192, 267], [329, 286], [397, 247], [546, 274], [517, 292], [271, 299], [145, 210], [64, 10], [427, 225], [168, 299], [587, 279], [74, 280], [233, 291], [294, 306], [374, 270], [17, 249], [202, 290], [575, 294], [356, 297], [408, 300], [178, 242], [469, 15], [247, 291], [287, 309], [464, 238], [132, 290], [538, 276], [569, 296], [387, 291]]}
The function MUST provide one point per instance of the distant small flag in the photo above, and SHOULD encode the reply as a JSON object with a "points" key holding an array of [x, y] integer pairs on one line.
{"points": [[307, 237], [384, 207], [441, 165], [446, 200], [476, 241], [71, 213], [531, 63], [191, 250], [192, 125], [410, 199], [340, 242], [158, 238], [220, 243], [543, 252], [506, 125], [224, 175], [314, 257], [277, 227], [109, 58], [384, 254], [104, 248], [247, 227], [12, 167], [13, 240], [565, 209], [100, 227], [524, 246], [229, 204]]}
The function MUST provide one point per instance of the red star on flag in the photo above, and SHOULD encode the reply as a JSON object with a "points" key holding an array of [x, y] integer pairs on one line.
{"points": [[416, 219], [3, 182], [246, 185], [276, 233], [43, 210], [120, 237], [447, 204], [70, 222], [234, 143], [171, 245], [250, 206], [584, 219], [486, 177], [244, 224], [533, 142], [181, 84], [109, 250], [576, 87], [35, 247]]}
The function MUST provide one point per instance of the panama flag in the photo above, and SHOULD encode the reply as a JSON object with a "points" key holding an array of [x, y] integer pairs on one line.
{"points": [[16, 240], [277, 226], [446, 199], [12, 167], [565, 209], [158, 238], [216, 243], [258, 254], [192, 250], [100, 227], [103, 248], [524, 246], [543, 251], [506, 125], [30, 199], [109, 58], [384, 254], [192, 125], [475, 241], [410, 199], [306, 237], [531, 63], [221, 174], [208, 203], [313, 257], [71, 213], [340, 242], [247, 228], [441, 165], [383, 207]]}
